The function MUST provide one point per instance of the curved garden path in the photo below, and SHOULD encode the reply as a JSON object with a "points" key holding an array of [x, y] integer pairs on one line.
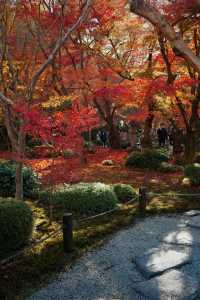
{"points": [[156, 258]]}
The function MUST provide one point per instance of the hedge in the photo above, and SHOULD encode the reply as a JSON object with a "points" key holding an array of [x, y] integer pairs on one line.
{"points": [[170, 168], [148, 159], [16, 225], [7, 180], [83, 198], [193, 173], [124, 192]]}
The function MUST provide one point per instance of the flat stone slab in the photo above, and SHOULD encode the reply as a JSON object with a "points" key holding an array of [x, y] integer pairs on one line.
{"points": [[194, 222], [182, 237], [173, 284], [158, 261], [192, 213]]}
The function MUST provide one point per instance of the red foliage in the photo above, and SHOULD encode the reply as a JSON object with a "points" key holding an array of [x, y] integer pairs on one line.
{"points": [[62, 130]]}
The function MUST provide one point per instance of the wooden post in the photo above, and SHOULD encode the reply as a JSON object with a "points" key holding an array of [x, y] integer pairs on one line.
{"points": [[142, 200], [67, 233]]}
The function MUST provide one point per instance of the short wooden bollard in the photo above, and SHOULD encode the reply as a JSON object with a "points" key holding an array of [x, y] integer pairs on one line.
{"points": [[67, 232], [142, 199]]}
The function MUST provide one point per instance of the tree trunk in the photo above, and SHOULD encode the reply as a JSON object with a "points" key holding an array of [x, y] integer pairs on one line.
{"points": [[190, 147], [114, 136], [158, 20], [19, 164], [19, 181], [146, 140]]}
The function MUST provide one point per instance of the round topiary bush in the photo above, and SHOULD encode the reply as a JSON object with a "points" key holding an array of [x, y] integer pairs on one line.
{"points": [[7, 180], [193, 173], [124, 192], [83, 198], [16, 224], [147, 159], [169, 168]]}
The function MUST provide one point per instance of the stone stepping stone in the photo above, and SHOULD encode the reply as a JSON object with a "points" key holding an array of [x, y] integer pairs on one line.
{"points": [[194, 222], [158, 261], [192, 213], [173, 284], [182, 237]]}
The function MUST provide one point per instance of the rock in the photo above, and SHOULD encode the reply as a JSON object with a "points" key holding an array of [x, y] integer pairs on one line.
{"points": [[107, 162], [192, 213], [194, 222], [182, 237], [173, 284], [157, 261], [186, 182]]}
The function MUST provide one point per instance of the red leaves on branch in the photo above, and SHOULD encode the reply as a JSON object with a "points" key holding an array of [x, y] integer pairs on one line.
{"points": [[112, 92], [62, 129]]}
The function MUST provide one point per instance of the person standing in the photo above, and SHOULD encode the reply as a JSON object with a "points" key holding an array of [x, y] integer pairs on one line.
{"points": [[162, 135], [104, 138]]}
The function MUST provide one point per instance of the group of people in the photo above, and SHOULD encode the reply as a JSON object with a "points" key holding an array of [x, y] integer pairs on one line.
{"points": [[171, 136], [162, 135], [102, 137]]}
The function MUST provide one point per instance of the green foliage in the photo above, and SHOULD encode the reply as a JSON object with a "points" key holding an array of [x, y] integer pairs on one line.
{"points": [[68, 153], [16, 224], [124, 192], [169, 168], [33, 142], [7, 180], [193, 173], [83, 198], [89, 146], [149, 158], [125, 144]]}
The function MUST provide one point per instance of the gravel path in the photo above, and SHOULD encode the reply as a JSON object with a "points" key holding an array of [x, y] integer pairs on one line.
{"points": [[111, 273]]}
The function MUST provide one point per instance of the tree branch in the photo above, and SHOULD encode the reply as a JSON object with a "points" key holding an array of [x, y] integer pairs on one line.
{"points": [[144, 9], [56, 49]]}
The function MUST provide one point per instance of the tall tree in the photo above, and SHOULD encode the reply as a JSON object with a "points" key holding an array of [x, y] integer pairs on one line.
{"points": [[32, 35]]}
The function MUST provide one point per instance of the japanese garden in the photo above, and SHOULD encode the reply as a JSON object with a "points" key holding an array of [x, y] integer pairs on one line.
{"points": [[99, 149]]}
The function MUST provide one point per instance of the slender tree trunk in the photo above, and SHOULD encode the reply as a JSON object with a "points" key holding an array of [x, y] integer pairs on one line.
{"points": [[19, 181], [114, 136], [147, 141], [19, 164], [190, 147]]}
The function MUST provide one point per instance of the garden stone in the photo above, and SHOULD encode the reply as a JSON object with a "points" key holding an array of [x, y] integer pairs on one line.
{"points": [[192, 213], [182, 237], [173, 284], [194, 222], [108, 162], [157, 261]]}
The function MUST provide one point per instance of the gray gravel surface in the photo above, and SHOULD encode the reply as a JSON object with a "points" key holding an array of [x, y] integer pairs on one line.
{"points": [[110, 272]]}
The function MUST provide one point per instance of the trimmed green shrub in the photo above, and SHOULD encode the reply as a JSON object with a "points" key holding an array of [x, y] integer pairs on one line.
{"points": [[83, 198], [169, 168], [149, 158], [124, 192], [193, 173], [16, 225], [7, 180]]}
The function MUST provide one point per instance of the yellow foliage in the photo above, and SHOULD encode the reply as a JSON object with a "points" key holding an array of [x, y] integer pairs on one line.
{"points": [[56, 102]]}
